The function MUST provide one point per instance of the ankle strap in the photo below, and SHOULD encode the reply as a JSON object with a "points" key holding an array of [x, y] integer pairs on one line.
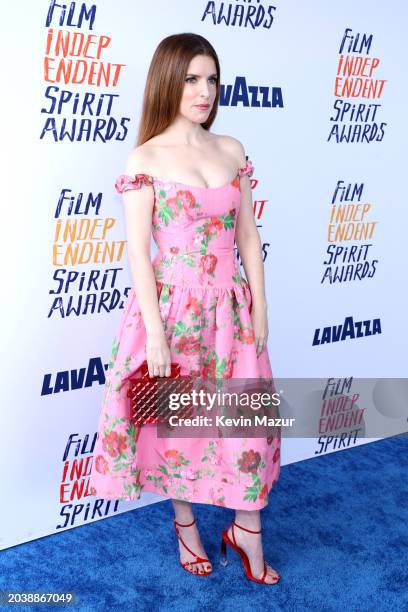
{"points": [[245, 529], [189, 524], [176, 525]]}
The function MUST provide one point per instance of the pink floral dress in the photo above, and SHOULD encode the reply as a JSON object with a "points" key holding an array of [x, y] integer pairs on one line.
{"points": [[205, 307]]}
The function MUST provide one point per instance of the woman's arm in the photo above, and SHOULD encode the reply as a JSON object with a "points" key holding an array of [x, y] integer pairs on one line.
{"points": [[249, 247], [250, 250], [138, 205], [249, 243]]}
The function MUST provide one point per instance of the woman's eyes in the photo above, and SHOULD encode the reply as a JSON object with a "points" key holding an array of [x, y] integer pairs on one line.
{"points": [[188, 79]]}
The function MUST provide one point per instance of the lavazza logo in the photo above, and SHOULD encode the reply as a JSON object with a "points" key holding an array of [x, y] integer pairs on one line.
{"points": [[240, 93], [349, 330], [80, 378]]}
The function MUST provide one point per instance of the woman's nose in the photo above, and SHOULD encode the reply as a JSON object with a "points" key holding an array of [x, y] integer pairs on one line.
{"points": [[205, 91]]}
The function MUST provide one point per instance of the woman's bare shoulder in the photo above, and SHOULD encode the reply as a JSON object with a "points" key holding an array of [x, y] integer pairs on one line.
{"points": [[139, 160], [233, 147]]}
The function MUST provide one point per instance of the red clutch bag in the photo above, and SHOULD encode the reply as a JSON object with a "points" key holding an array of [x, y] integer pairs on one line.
{"points": [[149, 396]]}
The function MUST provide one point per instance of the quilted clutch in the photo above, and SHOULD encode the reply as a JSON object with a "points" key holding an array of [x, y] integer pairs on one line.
{"points": [[149, 396]]}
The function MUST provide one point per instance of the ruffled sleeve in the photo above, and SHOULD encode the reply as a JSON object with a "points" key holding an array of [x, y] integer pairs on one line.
{"points": [[247, 169], [125, 182]]}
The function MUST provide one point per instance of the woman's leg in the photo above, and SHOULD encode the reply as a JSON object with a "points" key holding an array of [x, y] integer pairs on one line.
{"points": [[183, 513], [251, 543]]}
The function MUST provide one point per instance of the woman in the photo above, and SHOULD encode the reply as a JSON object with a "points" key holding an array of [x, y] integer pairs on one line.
{"points": [[191, 306]]}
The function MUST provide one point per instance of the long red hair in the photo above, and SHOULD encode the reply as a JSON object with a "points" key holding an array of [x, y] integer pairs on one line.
{"points": [[165, 82]]}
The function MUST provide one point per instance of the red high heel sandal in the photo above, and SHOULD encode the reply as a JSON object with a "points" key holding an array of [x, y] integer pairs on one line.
{"points": [[244, 558], [198, 559]]}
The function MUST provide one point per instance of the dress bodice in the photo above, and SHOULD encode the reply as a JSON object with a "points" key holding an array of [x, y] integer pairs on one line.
{"points": [[193, 228]]}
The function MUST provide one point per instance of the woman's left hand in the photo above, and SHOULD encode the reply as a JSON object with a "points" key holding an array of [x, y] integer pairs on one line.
{"points": [[259, 316]]}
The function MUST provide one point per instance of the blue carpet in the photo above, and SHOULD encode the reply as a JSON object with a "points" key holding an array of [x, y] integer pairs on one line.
{"points": [[336, 528]]}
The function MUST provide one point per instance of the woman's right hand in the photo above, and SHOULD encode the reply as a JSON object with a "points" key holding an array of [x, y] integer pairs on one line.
{"points": [[158, 356]]}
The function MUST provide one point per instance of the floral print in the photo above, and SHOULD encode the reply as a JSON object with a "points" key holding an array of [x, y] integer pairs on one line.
{"points": [[126, 183], [205, 306], [249, 461]]}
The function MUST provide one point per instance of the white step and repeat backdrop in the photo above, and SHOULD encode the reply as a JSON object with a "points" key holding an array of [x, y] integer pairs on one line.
{"points": [[316, 93]]}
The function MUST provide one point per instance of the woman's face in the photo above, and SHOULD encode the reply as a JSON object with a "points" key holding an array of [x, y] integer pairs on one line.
{"points": [[200, 88]]}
